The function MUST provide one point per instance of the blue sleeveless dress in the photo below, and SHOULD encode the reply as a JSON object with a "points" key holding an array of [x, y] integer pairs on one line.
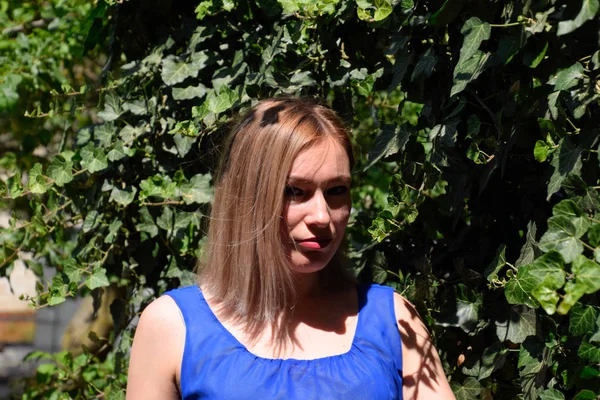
{"points": [[217, 366]]}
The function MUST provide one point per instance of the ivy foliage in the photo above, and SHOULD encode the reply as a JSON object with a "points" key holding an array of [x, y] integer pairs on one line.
{"points": [[476, 196]]}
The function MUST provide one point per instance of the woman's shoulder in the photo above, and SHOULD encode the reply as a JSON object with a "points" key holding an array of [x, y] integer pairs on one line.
{"points": [[403, 309], [160, 322], [422, 372], [160, 316]]}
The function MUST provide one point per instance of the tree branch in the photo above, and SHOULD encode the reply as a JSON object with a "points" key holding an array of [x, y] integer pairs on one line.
{"points": [[40, 23]]}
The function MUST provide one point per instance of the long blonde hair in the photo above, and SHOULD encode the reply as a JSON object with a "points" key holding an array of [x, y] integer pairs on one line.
{"points": [[245, 268]]}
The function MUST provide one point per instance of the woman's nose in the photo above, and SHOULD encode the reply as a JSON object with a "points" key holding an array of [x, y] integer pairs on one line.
{"points": [[318, 211]]}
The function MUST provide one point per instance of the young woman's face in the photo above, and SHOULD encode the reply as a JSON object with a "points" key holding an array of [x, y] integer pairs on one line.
{"points": [[317, 206]]}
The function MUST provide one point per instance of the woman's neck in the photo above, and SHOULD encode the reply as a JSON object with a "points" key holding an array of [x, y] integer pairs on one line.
{"points": [[307, 286]]}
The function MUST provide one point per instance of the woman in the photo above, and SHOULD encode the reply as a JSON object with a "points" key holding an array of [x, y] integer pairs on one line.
{"points": [[276, 315]]}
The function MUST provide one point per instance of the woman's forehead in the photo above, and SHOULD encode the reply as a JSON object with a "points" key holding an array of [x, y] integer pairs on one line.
{"points": [[325, 160]]}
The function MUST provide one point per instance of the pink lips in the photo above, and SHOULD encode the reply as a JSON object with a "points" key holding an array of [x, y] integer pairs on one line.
{"points": [[313, 243]]}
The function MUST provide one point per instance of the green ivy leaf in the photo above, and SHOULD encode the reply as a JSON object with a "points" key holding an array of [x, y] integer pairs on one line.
{"points": [[473, 126], [223, 101], [520, 324], [582, 320], [532, 356], [499, 261], [552, 101], [465, 312], [533, 60], [97, 279], [13, 185], [57, 291], [183, 144], [136, 107], [123, 196], [189, 92], [38, 183], [197, 190], [166, 220], [130, 133], [517, 290], [157, 186], [175, 71], [545, 273], [562, 241], [468, 70], [540, 151], [389, 141], [588, 351], [469, 390], [55, 299], [374, 10], [490, 360], [115, 393], [400, 67], [8, 91], [574, 226], [73, 270], [573, 293], [547, 296], [425, 65], [362, 83], [475, 154], [379, 267], [93, 158], [203, 9], [588, 10], [186, 128], [445, 133], [567, 78], [300, 79], [566, 160], [475, 31], [105, 133], [548, 273], [147, 223], [112, 107], [587, 274], [596, 336], [60, 170], [383, 9], [438, 189], [92, 220], [551, 394], [119, 151], [593, 235], [113, 230], [585, 395], [567, 208]]}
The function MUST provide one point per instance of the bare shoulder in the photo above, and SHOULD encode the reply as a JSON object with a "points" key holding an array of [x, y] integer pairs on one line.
{"points": [[156, 352], [409, 321], [422, 372], [163, 310]]}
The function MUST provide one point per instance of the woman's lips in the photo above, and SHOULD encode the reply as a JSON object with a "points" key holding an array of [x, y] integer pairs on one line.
{"points": [[313, 243]]}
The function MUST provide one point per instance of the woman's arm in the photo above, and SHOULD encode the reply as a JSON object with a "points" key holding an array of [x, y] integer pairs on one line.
{"points": [[157, 352], [423, 376]]}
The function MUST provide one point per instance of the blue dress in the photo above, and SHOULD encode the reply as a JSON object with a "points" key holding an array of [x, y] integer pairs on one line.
{"points": [[217, 366]]}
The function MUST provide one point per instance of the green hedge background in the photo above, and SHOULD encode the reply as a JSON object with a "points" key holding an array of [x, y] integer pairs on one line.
{"points": [[476, 195]]}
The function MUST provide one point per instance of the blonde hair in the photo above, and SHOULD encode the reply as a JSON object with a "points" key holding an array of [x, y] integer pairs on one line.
{"points": [[245, 268]]}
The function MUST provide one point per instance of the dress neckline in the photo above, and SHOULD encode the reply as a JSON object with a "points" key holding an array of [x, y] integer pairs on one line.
{"points": [[361, 302]]}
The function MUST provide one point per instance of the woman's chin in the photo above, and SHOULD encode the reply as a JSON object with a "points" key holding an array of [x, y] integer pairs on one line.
{"points": [[305, 265]]}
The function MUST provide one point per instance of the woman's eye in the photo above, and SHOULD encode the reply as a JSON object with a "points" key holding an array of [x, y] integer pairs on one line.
{"points": [[338, 190], [291, 191]]}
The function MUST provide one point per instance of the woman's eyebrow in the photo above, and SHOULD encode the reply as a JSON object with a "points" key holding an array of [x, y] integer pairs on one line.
{"points": [[302, 179]]}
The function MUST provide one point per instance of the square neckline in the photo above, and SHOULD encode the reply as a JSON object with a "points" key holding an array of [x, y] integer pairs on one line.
{"points": [[361, 302]]}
